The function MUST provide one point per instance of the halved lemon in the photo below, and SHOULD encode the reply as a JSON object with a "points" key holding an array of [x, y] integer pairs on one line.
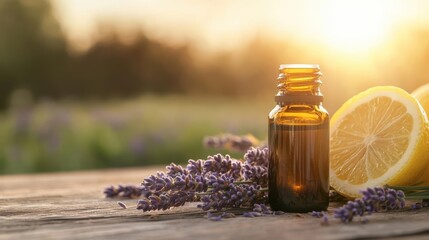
{"points": [[378, 137], [422, 95]]}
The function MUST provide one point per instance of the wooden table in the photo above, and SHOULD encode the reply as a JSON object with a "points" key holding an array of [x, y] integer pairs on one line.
{"points": [[72, 206]]}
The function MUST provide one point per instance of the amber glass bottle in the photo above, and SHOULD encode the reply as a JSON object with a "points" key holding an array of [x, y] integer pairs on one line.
{"points": [[299, 142]]}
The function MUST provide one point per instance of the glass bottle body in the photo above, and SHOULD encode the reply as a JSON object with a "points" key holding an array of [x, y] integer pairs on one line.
{"points": [[299, 151]]}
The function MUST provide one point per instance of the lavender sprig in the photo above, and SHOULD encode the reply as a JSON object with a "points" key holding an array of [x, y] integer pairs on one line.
{"points": [[124, 191], [257, 156], [233, 196], [219, 165], [219, 182], [165, 201], [162, 182], [231, 142], [255, 168], [373, 200]]}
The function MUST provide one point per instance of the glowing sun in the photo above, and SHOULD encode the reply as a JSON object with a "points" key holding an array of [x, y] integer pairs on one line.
{"points": [[355, 26]]}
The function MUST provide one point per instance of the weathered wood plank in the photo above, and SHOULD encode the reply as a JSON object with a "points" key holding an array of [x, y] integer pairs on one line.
{"points": [[72, 206]]}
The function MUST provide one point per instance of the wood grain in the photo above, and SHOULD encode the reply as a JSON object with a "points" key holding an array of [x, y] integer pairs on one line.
{"points": [[72, 206]]}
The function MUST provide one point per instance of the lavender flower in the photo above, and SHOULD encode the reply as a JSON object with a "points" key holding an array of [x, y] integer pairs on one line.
{"points": [[219, 164], [175, 170], [162, 182], [261, 208], [218, 217], [231, 142], [252, 214], [373, 200], [165, 201], [214, 217], [325, 220], [416, 206], [257, 156], [233, 196], [317, 214], [219, 182], [255, 168], [127, 191], [195, 167]]}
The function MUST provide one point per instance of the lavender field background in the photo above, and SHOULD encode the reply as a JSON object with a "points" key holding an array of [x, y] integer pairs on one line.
{"points": [[148, 130], [106, 84]]}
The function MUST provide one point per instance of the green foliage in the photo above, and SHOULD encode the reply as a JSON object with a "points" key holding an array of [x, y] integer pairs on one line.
{"points": [[31, 44], [52, 136]]}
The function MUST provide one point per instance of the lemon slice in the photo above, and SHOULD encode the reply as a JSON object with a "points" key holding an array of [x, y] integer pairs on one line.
{"points": [[378, 137], [422, 95]]}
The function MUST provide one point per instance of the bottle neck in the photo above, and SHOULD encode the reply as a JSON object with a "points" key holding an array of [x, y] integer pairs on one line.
{"points": [[299, 83]]}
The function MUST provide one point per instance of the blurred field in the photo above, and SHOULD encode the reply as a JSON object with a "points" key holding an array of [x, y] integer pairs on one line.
{"points": [[149, 79], [53, 136]]}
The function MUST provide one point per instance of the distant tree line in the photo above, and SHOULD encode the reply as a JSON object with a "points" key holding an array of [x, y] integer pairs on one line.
{"points": [[34, 55]]}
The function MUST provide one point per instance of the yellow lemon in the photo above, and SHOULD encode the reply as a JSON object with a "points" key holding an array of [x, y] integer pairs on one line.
{"points": [[378, 137], [422, 95]]}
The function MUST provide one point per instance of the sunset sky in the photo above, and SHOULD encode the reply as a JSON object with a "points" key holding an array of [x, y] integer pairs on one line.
{"points": [[351, 26]]}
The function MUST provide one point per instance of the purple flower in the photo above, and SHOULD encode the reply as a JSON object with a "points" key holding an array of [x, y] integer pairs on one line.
{"points": [[257, 156], [233, 196], [231, 142], [219, 164], [195, 167], [219, 182], [165, 201], [174, 170], [373, 200], [127, 191]]}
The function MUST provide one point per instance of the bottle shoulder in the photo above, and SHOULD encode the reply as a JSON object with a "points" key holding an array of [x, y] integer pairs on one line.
{"points": [[299, 113]]}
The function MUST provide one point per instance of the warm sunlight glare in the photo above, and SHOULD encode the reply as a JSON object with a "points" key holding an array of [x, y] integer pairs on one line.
{"points": [[355, 26]]}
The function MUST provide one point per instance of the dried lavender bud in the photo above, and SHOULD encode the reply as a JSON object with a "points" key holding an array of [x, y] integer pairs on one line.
{"points": [[373, 200], [165, 201], [127, 191], [231, 142], [121, 204], [416, 206], [181, 182], [257, 156], [195, 167], [323, 215], [217, 183], [233, 196], [317, 214], [325, 220], [110, 192], [252, 214], [255, 167], [261, 208], [174, 170], [218, 217], [228, 215], [256, 174], [215, 218], [242, 143], [219, 164]]}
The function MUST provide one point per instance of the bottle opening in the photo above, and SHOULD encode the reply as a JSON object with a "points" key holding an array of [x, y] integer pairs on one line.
{"points": [[302, 66]]}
